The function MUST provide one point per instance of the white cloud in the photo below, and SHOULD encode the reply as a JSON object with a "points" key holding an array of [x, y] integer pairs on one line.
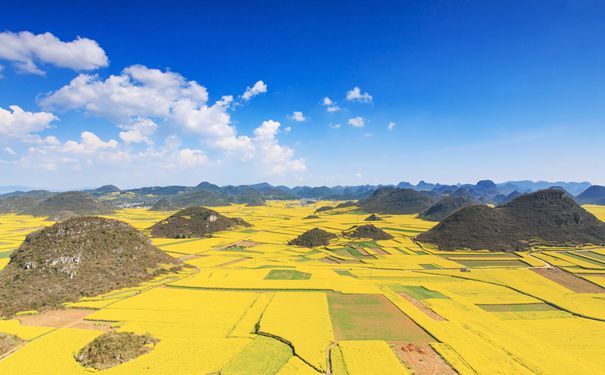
{"points": [[287, 129], [191, 158], [391, 125], [358, 122], [10, 151], [89, 143], [138, 130], [355, 95], [142, 100], [335, 126], [358, 175], [259, 88], [26, 50], [137, 92], [17, 123], [298, 116], [330, 105], [278, 157]]}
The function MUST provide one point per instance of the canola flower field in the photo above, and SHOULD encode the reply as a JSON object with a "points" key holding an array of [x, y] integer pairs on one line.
{"points": [[251, 304]]}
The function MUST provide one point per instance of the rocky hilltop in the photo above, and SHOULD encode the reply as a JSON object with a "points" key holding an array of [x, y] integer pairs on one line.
{"points": [[445, 207], [80, 257], [313, 238], [77, 202], [390, 200], [544, 217], [194, 222]]}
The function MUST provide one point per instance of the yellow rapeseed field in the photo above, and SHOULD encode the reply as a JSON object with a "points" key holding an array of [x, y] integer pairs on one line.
{"points": [[250, 303]]}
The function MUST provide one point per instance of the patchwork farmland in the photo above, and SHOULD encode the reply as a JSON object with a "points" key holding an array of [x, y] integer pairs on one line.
{"points": [[249, 303]]}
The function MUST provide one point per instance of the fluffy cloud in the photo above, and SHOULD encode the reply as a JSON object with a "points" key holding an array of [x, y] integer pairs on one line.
{"points": [[298, 116], [330, 105], [335, 126], [138, 130], [26, 50], [191, 158], [17, 123], [89, 144], [259, 88], [141, 100], [355, 95], [279, 158], [391, 125], [357, 122], [137, 92], [10, 151]]}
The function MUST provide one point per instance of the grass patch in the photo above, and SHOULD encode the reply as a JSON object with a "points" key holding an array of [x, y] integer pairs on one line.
{"points": [[585, 259], [414, 231], [263, 356], [344, 273], [371, 317], [347, 252], [287, 275], [5, 254], [430, 266], [417, 291], [486, 263], [516, 307]]}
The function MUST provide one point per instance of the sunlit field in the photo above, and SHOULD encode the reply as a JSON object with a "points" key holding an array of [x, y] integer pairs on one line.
{"points": [[251, 304]]}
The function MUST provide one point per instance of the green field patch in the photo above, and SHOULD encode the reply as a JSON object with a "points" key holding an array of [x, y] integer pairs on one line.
{"points": [[270, 266], [487, 263], [249, 231], [516, 307], [368, 244], [429, 266], [5, 254], [344, 273], [595, 255], [240, 249], [372, 317], [179, 242], [458, 255], [417, 291], [585, 259], [347, 252], [287, 275], [264, 356]]}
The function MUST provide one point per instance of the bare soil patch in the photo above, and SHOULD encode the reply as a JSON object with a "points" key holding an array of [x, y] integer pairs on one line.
{"points": [[568, 280], [422, 307], [234, 261], [422, 359]]}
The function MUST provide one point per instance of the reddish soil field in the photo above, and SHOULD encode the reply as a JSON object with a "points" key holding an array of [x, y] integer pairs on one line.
{"points": [[569, 281], [73, 318], [422, 359]]}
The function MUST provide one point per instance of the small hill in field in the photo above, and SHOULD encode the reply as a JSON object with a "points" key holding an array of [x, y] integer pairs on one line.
{"points": [[194, 222], [593, 195], [194, 198], [114, 348], [80, 257], [78, 202], [324, 209], [107, 189], [367, 231], [373, 217], [547, 217], [445, 207], [397, 201], [346, 204], [313, 238]]}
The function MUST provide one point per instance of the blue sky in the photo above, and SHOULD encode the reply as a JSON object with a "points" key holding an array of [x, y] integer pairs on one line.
{"points": [[474, 89]]}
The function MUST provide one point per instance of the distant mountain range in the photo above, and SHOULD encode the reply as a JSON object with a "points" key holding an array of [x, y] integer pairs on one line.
{"points": [[423, 194]]}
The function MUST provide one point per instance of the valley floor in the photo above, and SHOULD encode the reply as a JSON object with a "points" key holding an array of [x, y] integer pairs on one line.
{"points": [[253, 305]]}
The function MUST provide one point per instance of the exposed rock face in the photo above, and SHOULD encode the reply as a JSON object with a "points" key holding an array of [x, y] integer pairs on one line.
{"points": [[445, 207], [390, 200], [367, 231], [313, 238], [544, 217], [114, 348], [78, 202], [80, 257], [194, 222]]}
